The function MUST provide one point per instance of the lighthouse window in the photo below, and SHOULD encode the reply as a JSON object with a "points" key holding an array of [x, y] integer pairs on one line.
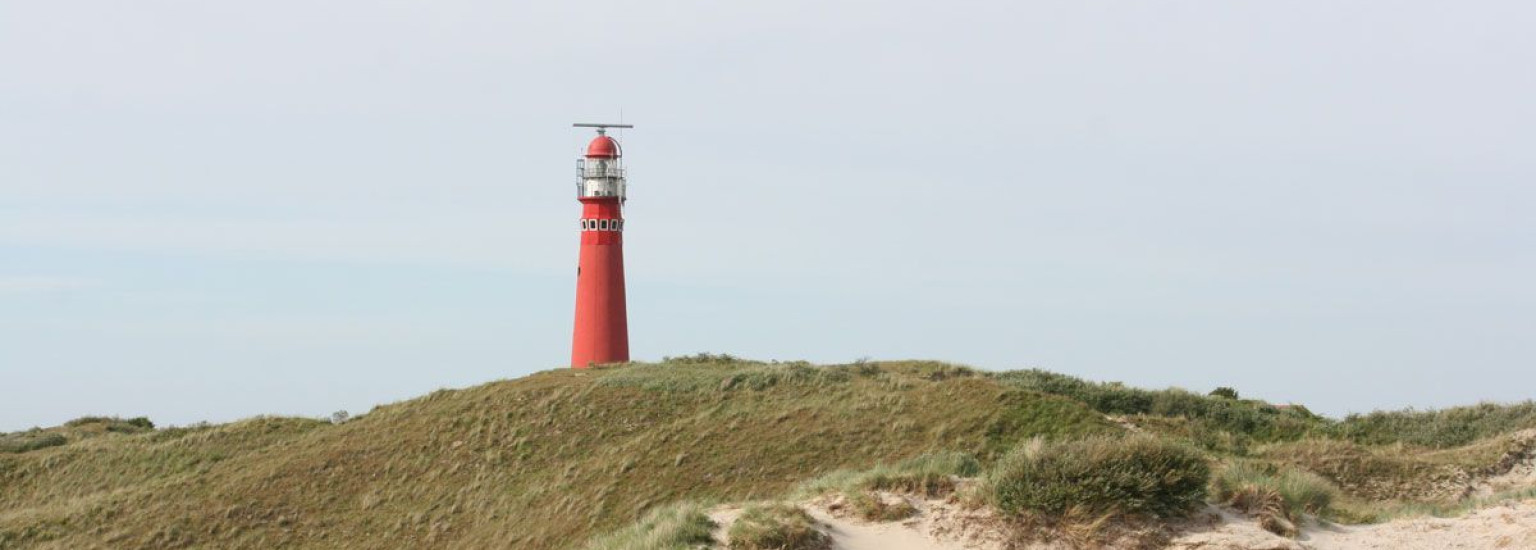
{"points": [[583, 225], [603, 225]]}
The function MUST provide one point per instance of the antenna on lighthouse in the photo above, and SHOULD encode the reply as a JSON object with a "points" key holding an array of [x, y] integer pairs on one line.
{"points": [[602, 128]]}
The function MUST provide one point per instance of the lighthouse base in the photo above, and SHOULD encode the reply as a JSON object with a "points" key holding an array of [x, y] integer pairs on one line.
{"points": [[602, 324]]}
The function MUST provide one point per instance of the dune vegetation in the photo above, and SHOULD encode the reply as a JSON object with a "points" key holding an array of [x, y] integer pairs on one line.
{"points": [[594, 458]]}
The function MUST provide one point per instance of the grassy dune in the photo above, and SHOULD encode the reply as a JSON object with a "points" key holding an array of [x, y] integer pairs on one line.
{"points": [[553, 459], [544, 461]]}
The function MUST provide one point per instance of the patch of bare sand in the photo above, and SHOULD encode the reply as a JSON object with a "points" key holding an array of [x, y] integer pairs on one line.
{"points": [[723, 516], [937, 525], [1519, 472]]}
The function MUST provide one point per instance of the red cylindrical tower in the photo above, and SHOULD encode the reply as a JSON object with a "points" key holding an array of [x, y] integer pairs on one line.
{"points": [[602, 326]]}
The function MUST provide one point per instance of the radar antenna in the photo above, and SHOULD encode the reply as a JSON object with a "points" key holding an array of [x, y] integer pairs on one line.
{"points": [[602, 127]]}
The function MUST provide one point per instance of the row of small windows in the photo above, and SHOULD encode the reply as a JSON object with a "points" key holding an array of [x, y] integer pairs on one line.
{"points": [[602, 225]]}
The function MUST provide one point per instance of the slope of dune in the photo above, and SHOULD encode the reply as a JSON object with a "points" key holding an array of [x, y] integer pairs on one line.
{"points": [[539, 462], [553, 459]]}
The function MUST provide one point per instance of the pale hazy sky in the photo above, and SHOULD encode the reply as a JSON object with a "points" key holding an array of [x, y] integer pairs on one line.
{"points": [[211, 210]]}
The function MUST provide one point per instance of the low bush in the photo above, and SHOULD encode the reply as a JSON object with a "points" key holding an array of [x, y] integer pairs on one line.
{"points": [[776, 527], [1250, 418], [131, 425], [706, 358], [88, 420], [1224, 391], [1136, 476], [113, 424], [22, 442], [1440, 429], [677, 527]]}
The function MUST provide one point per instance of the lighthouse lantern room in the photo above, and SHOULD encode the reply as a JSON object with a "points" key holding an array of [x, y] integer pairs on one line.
{"points": [[601, 332]]}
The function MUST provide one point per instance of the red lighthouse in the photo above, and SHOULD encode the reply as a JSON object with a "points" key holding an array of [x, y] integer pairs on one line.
{"points": [[602, 326]]}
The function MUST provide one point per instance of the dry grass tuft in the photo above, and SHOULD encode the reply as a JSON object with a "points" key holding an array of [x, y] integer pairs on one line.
{"points": [[1278, 496], [677, 527], [877, 506], [777, 526], [1133, 476]]}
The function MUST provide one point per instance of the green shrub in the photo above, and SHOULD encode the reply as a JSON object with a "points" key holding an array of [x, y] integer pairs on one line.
{"points": [[131, 425], [1224, 392], [22, 442], [706, 358], [114, 424], [1217, 440], [1131, 476], [88, 420], [1249, 418], [676, 527], [1442, 428], [776, 527]]}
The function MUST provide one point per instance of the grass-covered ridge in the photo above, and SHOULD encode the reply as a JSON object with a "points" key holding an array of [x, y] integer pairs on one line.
{"points": [[544, 461], [552, 459]]}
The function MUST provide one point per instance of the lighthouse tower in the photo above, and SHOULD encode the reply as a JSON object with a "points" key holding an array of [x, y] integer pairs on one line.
{"points": [[602, 327]]}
